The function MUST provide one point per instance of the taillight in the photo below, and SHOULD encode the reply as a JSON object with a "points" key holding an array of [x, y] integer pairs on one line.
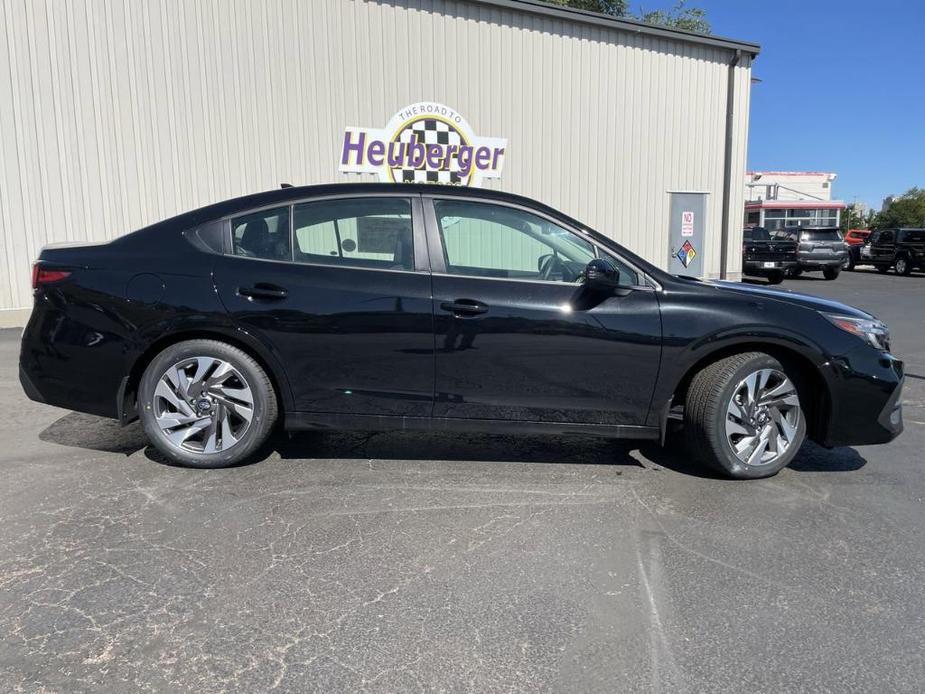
{"points": [[42, 275]]}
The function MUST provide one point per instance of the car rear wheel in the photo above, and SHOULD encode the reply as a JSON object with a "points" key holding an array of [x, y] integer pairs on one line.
{"points": [[831, 273], [206, 404], [743, 416], [903, 267], [776, 277]]}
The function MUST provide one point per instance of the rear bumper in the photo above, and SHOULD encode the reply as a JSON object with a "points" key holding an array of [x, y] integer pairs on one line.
{"points": [[812, 261], [65, 363], [866, 398], [28, 386], [757, 267]]}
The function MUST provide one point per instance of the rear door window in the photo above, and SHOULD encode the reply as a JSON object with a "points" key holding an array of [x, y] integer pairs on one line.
{"points": [[263, 234], [355, 232], [914, 236]]}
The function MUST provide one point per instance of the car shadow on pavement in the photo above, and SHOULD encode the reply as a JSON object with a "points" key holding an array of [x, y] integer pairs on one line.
{"points": [[78, 430], [106, 435]]}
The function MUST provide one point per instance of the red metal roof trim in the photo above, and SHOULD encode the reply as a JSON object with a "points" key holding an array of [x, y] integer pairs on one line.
{"points": [[795, 204]]}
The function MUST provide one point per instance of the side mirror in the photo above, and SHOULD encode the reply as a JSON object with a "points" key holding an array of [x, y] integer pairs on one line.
{"points": [[601, 275]]}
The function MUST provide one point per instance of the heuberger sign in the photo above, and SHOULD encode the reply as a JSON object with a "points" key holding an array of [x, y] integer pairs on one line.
{"points": [[424, 143]]}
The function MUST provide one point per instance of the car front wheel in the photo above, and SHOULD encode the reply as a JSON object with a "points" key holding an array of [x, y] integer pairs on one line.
{"points": [[743, 416], [206, 404]]}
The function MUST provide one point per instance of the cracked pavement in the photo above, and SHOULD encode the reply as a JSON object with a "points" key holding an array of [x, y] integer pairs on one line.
{"points": [[406, 562]]}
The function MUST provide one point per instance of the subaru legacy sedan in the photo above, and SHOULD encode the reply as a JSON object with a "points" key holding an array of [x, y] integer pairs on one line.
{"points": [[406, 307]]}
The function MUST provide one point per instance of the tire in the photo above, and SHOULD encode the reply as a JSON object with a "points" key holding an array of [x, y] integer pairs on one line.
{"points": [[795, 272], [883, 269], [849, 265], [831, 273], [237, 403], [903, 266], [708, 422], [776, 277]]}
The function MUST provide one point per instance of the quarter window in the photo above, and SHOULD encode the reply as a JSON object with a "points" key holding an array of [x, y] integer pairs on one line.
{"points": [[484, 240], [263, 234], [356, 232]]}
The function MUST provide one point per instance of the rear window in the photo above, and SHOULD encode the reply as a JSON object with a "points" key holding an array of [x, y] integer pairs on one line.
{"points": [[882, 237], [913, 236], [821, 235], [757, 234]]}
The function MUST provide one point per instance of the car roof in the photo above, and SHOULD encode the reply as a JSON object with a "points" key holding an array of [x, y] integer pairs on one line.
{"points": [[289, 194]]}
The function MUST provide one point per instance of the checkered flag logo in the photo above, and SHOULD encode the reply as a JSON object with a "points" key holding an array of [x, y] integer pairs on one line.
{"points": [[429, 131], [425, 142]]}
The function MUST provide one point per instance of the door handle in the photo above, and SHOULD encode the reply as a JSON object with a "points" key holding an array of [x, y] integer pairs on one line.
{"points": [[262, 291], [464, 308]]}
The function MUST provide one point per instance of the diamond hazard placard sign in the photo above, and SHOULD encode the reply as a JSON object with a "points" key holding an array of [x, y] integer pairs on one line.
{"points": [[687, 254]]}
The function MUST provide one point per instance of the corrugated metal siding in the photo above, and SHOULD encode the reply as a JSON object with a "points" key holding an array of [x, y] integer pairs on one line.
{"points": [[117, 113]]}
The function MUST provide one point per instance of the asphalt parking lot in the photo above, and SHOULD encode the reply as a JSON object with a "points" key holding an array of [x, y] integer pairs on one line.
{"points": [[409, 562]]}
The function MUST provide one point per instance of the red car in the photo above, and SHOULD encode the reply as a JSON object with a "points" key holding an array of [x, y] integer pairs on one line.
{"points": [[855, 237]]}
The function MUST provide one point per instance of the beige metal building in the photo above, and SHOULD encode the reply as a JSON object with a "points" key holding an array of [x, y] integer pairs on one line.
{"points": [[116, 114]]}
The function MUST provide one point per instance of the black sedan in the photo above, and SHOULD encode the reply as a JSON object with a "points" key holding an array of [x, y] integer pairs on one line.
{"points": [[374, 306]]}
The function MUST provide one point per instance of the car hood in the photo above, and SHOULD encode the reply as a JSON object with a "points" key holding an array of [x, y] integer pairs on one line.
{"points": [[787, 296]]}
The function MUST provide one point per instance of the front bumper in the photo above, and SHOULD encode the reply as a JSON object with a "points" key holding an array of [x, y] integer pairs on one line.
{"points": [[865, 389]]}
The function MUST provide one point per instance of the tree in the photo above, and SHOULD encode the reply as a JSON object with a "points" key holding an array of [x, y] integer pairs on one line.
{"points": [[680, 16], [908, 210], [851, 219], [615, 8]]}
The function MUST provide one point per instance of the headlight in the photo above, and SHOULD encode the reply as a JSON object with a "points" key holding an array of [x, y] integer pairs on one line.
{"points": [[872, 331]]}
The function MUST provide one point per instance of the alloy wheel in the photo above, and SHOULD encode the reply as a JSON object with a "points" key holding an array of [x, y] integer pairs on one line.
{"points": [[203, 405], [762, 417]]}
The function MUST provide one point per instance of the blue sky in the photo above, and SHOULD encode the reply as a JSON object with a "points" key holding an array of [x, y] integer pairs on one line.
{"points": [[843, 88]]}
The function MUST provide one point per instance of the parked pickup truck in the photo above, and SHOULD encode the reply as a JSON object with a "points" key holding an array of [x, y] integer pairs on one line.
{"points": [[902, 249], [764, 255]]}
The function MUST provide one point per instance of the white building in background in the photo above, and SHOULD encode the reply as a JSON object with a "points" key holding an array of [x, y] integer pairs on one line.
{"points": [[778, 199], [114, 117]]}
